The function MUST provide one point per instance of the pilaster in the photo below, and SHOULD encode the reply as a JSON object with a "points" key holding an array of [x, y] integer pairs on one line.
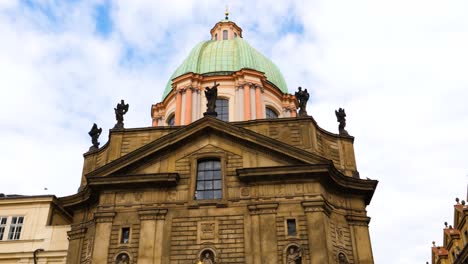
{"points": [[151, 235], [317, 212], [263, 235], [102, 236], [75, 236], [362, 250]]}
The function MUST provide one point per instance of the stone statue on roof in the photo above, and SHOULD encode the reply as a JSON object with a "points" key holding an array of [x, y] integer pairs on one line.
{"points": [[94, 133], [211, 95], [341, 118], [120, 111], [302, 97]]}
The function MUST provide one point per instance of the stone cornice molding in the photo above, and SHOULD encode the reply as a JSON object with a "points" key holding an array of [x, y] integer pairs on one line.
{"points": [[326, 173], [104, 217], [317, 204], [263, 208], [152, 214], [135, 180]]}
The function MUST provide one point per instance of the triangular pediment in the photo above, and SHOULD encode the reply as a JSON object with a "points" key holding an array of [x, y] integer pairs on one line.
{"points": [[204, 137]]}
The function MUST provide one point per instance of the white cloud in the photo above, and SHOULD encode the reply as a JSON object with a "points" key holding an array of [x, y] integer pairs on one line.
{"points": [[397, 67]]}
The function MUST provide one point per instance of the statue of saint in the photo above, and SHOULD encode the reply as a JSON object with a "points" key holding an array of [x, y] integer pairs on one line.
{"points": [[122, 259], [341, 118], [342, 259], [294, 255], [207, 258], [94, 133], [302, 97], [120, 111], [211, 95]]}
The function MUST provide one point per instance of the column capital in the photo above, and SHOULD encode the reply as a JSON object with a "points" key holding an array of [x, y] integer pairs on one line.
{"points": [[263, 208], [152, 214], [359, 220], [104, 217], [317, 204], [77, 231]]}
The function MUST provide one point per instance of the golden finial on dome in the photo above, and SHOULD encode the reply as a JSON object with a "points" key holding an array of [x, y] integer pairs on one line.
{"points": [[226, 13]]}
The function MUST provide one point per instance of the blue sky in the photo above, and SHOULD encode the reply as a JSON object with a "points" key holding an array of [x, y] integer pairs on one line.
{"points": [[397, 67]]}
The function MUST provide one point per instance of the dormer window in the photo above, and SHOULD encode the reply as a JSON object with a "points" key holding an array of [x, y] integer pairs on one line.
{"points": [[225, 34]]}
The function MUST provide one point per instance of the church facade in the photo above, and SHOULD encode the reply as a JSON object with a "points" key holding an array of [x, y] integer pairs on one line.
{"points": [[249, 181]]}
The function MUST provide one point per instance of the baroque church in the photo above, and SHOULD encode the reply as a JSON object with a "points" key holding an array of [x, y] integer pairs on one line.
{"points": [[232, 170]]}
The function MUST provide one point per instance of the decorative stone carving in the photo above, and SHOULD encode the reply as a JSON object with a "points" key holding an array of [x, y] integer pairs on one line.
{"points": [[120, 111], [211, 94], [302, 97], [294, 255], [341, 118], [94, 133], [207, 231]]}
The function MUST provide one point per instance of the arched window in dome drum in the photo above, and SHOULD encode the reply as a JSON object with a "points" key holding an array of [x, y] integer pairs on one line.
{"points": [[216, 36], [270, 113], [170, 120], [235, 35], [222, 108], [225, 34]]}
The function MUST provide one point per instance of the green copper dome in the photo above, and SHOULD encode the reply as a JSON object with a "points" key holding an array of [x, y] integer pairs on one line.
{"points": [[227, 56]]}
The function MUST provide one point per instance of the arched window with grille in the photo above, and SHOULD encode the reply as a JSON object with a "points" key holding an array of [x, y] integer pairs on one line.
{"points": [[225, 34], [209, 180], [270, 113], [222, 108]]}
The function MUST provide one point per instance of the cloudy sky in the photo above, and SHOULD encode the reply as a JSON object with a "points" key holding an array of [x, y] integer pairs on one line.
{"points": [[399, 68]]}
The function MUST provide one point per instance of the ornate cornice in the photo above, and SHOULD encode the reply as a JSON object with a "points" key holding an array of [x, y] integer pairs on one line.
{"points": [[263, 208], [152, 214]]}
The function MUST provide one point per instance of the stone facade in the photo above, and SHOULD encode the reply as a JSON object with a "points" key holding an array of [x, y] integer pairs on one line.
{"points": [[287, 185]]}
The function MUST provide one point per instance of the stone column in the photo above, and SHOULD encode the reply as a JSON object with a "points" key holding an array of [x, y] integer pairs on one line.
{"points": [[178, 108], [75, 245], [246, 102], [317, 212], [188, 106], [263, 235], [258, 103], [362, 249], [102, 236], [151, 235]]}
